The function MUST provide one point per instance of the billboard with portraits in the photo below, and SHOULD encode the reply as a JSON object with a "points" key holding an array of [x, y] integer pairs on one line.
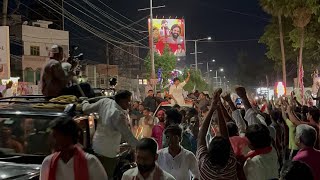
{"points": [[168, 32]]}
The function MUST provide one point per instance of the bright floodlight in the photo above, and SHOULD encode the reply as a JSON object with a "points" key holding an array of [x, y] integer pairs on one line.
{"points": [[221, 69], [213, 60], [210, 70], [209, 38]]}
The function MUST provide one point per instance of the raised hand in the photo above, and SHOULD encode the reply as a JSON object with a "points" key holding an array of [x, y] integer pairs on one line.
{"points": [[226, 96], [241, 91]]}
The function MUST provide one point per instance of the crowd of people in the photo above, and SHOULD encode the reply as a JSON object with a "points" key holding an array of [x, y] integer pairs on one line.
{"points": [[214, 140]]}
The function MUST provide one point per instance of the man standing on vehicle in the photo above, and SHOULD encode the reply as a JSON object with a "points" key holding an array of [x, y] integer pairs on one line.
{"points": [[176, 91], [54, 79], [112, 126]]}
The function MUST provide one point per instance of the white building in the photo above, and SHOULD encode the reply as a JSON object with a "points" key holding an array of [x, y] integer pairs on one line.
{"points": [[36, 40]]}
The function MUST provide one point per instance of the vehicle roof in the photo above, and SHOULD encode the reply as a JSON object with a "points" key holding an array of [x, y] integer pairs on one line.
{"points": [[19, 171], [171, 105], [24, 106]]}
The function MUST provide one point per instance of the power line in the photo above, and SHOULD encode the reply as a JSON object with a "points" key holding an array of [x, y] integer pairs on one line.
{"points": [[104, 24], [246, 14], [231, 41], [120, 14], [88, 29], [110, 17]]}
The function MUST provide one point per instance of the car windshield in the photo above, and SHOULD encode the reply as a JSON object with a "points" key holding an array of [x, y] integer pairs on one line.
{"points": [[25, 135]]}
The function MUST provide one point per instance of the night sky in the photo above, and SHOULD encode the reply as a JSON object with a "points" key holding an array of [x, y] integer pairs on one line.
{"points": [[225, 21], [222, 20]]}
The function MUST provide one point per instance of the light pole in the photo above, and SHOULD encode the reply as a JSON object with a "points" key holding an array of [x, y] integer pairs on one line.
{"points": [[221, 70], [208, 71], [196, 49]]}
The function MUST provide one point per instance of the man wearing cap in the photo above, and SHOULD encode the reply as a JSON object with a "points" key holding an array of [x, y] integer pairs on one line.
{"points": [[54, 79]]}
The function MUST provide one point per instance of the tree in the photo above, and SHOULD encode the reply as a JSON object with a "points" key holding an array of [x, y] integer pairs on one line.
{"points": [[278, 8], [302, 11], [166, 62], [301, 30], [196, 81]]}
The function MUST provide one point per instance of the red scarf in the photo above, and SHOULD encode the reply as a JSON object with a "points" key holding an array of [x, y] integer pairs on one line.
{"points": [[80, 166], [257, 152]]}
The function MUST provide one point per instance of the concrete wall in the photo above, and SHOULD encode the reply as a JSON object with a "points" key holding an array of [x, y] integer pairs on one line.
{"points": [[45, 38]]}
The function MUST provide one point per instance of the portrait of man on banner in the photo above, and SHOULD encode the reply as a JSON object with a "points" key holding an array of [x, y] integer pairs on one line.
{"points": [[169, 32]]}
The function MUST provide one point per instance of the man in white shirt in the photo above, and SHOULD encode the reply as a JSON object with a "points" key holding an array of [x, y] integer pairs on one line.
{"points": [[176, 91], [262, 161], [146, 157], [69, 162], [177, 161], [112, 126], [146, 123], [7, 92]]}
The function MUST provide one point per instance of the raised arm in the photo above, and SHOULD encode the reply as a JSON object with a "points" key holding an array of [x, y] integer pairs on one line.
{"points": [[205, 126], [188, 78], [292, 117], [88, 108], [222, 123], [236, 115]]}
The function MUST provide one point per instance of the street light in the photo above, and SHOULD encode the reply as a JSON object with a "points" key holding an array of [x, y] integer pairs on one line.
{"points": [[221, 70], [196, 48], [208, 76]]}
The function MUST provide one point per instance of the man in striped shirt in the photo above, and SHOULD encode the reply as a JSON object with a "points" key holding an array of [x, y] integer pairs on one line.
{"points": [[218, 162]]}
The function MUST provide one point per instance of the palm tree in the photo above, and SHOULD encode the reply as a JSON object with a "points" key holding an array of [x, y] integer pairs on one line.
{"points": [[302, 11], [278, 8]]}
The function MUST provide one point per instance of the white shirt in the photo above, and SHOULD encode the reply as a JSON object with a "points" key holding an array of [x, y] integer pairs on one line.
{"points": [[131, 173], [262, 167], [177, 93], [65, 171], [147, 127], [236, 115], [111, 127], [183, 166], [7, 92]]}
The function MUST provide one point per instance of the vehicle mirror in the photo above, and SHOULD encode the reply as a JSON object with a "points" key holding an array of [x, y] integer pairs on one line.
{"points": [[70, 109]]}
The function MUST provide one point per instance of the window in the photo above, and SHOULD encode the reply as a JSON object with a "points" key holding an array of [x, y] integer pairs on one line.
{"points": [[38, 75], [28, 75], [102, 81], [35, 50]]}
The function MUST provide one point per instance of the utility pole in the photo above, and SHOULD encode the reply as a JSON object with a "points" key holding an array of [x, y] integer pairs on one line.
{"points": [[153, 71], [196, 54], [208, 71], [62, 5], [4, 12]]}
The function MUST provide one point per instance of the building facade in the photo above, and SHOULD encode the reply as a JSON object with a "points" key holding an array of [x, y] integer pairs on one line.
{"points": [[36, 40], [98, 75]]}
